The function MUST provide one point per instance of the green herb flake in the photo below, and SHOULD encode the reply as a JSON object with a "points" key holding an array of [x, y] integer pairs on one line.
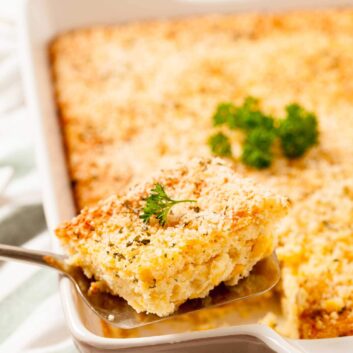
{"points": [[119, 256], [145, 241]]}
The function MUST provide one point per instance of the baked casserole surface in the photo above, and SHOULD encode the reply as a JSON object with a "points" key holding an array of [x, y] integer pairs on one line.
{"points": [[219, 238], [138, 97]]}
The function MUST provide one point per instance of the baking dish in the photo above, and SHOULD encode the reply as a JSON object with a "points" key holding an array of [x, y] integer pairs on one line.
{"points": [[40, 21]]}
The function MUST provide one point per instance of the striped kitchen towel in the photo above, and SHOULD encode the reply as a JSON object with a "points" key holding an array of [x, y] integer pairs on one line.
{"points": [[31, 318]]}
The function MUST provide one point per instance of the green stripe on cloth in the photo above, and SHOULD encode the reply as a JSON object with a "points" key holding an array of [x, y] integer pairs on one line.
{"points": [[17, 306], [22, 224]]}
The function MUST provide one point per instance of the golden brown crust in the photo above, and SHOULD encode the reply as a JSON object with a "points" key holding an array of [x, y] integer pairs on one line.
{"points": [[219, 238], [135, 98], [128, 95], [322, 324], [316, 251]]}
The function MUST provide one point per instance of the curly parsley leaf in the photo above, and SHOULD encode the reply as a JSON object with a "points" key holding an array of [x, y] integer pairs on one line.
{"points": [[220, 145], [257, 148], [298, 131], [224, 114], [158, 204], [249, 116]]}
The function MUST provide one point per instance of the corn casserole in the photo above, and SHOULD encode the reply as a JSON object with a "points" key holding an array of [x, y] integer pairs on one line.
{"points": [[135, 98], [219, 238]]}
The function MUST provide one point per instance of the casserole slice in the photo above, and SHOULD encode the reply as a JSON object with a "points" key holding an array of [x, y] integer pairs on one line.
{"points": [[316, 255], [156, 267]]}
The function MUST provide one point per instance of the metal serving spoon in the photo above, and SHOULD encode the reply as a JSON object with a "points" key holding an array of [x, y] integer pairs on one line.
{"points": [[117, 312]]}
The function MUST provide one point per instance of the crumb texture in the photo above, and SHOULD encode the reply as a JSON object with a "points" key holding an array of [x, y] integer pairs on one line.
{"points": [[219, 238], [323, 292], [135, 98]]}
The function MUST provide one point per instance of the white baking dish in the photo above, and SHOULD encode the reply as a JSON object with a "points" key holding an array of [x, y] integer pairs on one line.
{"points": [[40, 21]]}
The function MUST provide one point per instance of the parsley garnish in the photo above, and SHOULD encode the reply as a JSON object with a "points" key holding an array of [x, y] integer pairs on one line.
{"points": [[158, 204], [224, 114], [297, 132], [220, 145], [248, 116], [257, 148]]}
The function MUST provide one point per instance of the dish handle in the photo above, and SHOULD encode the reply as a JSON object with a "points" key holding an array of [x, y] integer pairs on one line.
{"points": [[278, 343]]}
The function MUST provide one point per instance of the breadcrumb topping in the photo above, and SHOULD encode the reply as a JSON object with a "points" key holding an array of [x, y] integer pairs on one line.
{"points": [[317, 251], [135, 98], [156, 268]]}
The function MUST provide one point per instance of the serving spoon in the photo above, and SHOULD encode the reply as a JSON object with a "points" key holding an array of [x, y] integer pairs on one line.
{"points": [[117, 312]]}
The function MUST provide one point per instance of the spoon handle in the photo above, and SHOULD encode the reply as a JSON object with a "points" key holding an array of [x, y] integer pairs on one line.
{"points": [[35, 257]]}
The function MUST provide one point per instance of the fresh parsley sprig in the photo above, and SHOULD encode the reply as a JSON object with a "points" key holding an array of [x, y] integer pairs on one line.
{"points": [[158, 204], [297, 132]]}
